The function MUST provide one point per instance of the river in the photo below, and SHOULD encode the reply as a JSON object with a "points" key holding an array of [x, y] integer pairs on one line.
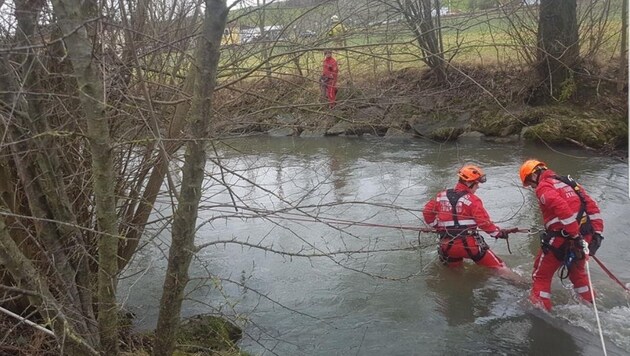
{"points": [[351, 281]]}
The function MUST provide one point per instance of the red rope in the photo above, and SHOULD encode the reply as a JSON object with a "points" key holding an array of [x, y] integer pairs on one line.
{"points": [[335, 221], [612, 276]]}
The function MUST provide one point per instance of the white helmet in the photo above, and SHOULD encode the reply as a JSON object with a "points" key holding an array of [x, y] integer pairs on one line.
{"points": [[334, 18]]}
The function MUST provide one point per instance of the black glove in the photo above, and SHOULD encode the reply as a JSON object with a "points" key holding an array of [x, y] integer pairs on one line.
{"points": [[596, 241], [502, 234]]}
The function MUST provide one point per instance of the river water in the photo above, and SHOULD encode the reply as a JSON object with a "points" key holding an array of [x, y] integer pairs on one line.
{"points": [[354, 278]]}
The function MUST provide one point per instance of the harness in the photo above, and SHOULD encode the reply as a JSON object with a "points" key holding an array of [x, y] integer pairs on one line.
{"points": [[568, 251], [460, 232]]}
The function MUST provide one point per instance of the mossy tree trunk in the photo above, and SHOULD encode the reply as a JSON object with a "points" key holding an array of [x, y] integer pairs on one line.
{"points": [[185, 219], [72, 19], [558, 46], [54, 314], [58, 183], [623, 55], [55, 243]]}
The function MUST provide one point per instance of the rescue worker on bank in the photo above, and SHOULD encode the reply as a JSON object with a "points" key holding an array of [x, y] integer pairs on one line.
{"points": [[337, 32], [571, 219], [457, 214], [328, 80]]}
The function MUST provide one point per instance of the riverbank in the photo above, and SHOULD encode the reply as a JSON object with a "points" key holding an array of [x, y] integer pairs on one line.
{"points": [[198, 335], [490, 103]]}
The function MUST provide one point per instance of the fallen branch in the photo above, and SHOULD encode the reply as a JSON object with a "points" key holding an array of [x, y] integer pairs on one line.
{"points": [[26, 321]]}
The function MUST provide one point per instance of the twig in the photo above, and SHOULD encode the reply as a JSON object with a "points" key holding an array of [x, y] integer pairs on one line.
{"points": [[27, 322]]}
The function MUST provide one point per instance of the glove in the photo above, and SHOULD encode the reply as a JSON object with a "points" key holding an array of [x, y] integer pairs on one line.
{"points": [[580, 248], [596, 241], [502, 234]]}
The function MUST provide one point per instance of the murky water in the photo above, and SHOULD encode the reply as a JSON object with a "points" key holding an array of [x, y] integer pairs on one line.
{"points": [[349, 281]]}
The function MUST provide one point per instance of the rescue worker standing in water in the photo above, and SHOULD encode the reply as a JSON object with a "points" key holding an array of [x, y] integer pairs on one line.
{"points": [[572, 219], [457, 214]]}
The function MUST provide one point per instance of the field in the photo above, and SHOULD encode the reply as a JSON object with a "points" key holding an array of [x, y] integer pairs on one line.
{"points": [[383, 42]]}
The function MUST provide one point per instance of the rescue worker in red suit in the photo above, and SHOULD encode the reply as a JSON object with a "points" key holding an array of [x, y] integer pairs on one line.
{"points": [[328, 80], [457, 215], [572, 220]]}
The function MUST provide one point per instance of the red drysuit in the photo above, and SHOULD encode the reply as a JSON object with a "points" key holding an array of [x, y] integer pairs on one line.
{"points": [[560, 205], [329, 79], [458, 232]]}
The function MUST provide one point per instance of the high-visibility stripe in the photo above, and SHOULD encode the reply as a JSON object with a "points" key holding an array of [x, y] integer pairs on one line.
{"points": [[581, 290], [545, 295], [559, 185], [566, 221], [452, 223]]}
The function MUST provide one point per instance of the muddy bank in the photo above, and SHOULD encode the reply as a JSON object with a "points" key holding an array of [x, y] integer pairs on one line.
{"points": [[489, 103]]}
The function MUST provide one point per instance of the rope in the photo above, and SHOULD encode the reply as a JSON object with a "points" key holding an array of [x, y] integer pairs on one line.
{"points": [[590, 287], [335, 221], [326, 220], [612, 276]]}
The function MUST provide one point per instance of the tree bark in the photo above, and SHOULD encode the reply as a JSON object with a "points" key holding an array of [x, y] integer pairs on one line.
{"points": [[27, 276], [418, 16], [558, 44], [623, 64], [184, 224], [55, 204], [72, 20]]}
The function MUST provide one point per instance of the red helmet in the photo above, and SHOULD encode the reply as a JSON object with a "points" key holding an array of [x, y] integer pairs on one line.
{"points": [[471, 173], [530, 166]]}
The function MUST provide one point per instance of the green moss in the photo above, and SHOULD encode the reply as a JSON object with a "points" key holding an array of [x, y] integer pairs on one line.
{"points": [[567, 89], [497, 124], [603, 132], [446, 133], [206, 332], [549, 131]]}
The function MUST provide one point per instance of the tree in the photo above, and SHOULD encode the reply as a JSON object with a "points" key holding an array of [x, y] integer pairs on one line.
{"points": [[77, 182], [184, 224], [558, 46], [623, 55], [420, 18]]}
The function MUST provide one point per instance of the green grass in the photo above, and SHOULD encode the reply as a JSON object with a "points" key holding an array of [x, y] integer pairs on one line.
{"points": [[479, 38]]}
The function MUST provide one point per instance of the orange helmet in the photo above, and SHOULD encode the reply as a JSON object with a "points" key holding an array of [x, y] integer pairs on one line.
{"points": [[470, 173], [529, 167]]}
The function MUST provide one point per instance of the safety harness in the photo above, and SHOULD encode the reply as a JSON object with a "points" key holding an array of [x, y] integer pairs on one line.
{"points": [[569, 251], [458, 231]]}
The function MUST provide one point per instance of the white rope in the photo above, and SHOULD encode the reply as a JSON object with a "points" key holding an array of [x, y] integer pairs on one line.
{"points": [[27, 322], [590, 288]]}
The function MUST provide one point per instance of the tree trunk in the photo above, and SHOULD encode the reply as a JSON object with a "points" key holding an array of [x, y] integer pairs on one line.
{"points": [[558, 45], [184, 223], [417, 13], [623, 64], [56, 204], [71, 19], [28, 278]]}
